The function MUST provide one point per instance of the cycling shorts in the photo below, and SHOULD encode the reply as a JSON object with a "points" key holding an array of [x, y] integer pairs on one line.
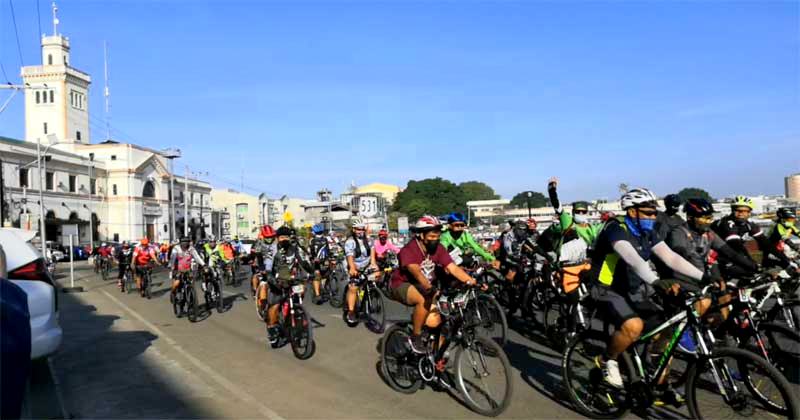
{"points": [[618, 308]]}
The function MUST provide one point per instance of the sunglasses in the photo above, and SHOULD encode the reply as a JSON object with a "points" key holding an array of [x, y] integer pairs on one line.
{"points": [[647, 212], [459, 225], [581, 212]]}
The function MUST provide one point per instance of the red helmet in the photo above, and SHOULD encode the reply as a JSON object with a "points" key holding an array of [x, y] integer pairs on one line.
{"points": [[427, 223], [383, 233], [145, 242], [267, 231], [531, 221]]}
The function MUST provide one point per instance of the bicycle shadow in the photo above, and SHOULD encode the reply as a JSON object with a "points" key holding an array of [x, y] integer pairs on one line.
{"points": [[540, 374]]}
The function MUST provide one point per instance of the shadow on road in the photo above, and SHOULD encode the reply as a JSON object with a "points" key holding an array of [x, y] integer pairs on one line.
{"points": [[104, 372]]}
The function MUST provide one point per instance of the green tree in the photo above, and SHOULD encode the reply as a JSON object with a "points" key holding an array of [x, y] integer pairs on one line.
{"points": [[393, 216], [434, 196], [476, 190], [693, 192], [537, 200]]}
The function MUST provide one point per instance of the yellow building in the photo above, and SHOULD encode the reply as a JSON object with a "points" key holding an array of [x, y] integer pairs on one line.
{"points": [[387, 191], [243, 212]]}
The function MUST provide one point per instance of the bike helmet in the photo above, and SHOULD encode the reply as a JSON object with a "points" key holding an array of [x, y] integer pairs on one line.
{"points": [[742, 201], [285, 231], [427, 223], [638, 197], [267, 231], [383, 233], [318, 229], [212, 238], [125, 245], [531, 223], [580, 206], [184, 240], [784, 213], [456, 217], [357, 223], [672, 202], [698, 207], [145, 242], [103, 244]]}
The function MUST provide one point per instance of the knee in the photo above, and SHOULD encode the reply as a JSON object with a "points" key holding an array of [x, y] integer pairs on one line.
{"points": [[633, 327]]}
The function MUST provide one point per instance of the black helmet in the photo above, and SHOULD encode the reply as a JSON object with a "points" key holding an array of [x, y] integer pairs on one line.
{"points": [[185, 240], [784, 213], [673, 203], [580, 205], [285, 231], [698, 207]]}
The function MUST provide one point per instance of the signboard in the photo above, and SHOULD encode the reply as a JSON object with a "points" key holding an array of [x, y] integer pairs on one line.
{"points": [[368, 206], [151, 210], [402, 225], [67, 230]]}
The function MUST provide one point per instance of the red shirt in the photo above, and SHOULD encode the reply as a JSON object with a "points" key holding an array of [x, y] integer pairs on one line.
{"points": [[104, 251], [412, 253]]}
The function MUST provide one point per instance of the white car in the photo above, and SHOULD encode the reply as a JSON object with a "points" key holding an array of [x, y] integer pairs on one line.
{"points": [[27, 269]]}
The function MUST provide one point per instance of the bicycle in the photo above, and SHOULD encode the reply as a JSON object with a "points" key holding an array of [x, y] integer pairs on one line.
{"points": [[294, 322], [105, 267], [225, 273], [147, 281], [708, 375], [370, 304], [335, 281], [489, 315], [185, 300], [449, 331], [126, 285], [567, 314], [212, 292]]}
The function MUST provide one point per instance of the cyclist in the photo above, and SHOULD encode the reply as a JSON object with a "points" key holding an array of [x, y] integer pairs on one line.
{"points": [[143, 256], [422, 260], [104, 253], [670, 219], [319, 251], [384, 245], [289, 262], [264, 248], [181, 260], [124, 255], [514, 245], [360, 255], [621, 275], [456, 239], [781, 236]]}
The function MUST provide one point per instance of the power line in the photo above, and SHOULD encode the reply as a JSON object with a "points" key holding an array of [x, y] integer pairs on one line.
{"points": [[16, 33], [2, 67]]}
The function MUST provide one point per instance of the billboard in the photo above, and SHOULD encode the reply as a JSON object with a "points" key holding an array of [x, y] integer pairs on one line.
{"points": [[402, 225]]}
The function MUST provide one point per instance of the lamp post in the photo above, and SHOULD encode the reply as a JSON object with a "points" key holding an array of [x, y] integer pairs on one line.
{"points": [[39, 153], [529, 194], [171, 154]]}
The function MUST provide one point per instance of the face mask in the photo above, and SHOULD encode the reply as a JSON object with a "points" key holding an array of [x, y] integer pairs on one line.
{"points": [[581, 218], [184, 246], [701, 227], [269, 241], [643, 226], [383, 241], [788, 224], [285, 244], [456, 234], [520, 232], [431, 246]]}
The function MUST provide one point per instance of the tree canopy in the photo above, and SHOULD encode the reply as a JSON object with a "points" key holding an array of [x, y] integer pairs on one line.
{"points": [[435, 196], [537, 200], [476, 190], [692, 192]]}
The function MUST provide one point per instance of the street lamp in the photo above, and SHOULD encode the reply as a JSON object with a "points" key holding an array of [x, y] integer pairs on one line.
{"points": [[529, 194], [171, 154]]}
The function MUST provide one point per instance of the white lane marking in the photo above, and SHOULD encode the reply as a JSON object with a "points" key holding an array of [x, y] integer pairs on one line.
{"points": [[221, 380]]}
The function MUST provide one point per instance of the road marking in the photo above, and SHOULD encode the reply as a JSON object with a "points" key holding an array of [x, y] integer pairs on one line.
{"points": [[221, 380], [57, 386]]}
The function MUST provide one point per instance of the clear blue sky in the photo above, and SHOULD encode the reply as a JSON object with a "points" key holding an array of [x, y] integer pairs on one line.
{"points": [[306, 95]]}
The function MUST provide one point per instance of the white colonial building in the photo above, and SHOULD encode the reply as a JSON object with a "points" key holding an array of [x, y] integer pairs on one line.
{"points": [[112, 191]]}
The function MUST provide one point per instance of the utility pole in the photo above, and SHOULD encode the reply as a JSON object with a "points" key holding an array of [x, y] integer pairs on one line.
{"points": [[2, 197], [186, 203]]}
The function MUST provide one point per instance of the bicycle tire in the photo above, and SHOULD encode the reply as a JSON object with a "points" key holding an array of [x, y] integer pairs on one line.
{"points": [[376, 310], [261, 311], [394, 344], [618, 403], [334, 282], [177, 304], [104, 271], [220, 298], [492, 314], [494, 349], [148, 290], [784, 360], [191, 302], [792, 410], [791, 309], [301, 334]]}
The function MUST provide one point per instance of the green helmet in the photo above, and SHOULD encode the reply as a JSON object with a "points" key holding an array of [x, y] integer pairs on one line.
{"points": [[742, 201]]}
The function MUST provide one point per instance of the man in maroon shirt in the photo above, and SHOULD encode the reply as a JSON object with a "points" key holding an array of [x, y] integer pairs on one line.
{"points": [[421, 259]]}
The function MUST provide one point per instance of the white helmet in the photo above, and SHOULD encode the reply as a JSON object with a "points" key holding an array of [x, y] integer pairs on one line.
{"points": [[638, 197], [103, 244], [357, 223], [211, 238]]}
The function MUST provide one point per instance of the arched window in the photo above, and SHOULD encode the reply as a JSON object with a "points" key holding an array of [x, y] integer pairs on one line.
{"points": [[37, 97], [50, 59], [149, 190], [51, 97]]}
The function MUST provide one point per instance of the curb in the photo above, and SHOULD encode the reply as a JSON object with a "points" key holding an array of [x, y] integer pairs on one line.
{"points": [[57, 385]]}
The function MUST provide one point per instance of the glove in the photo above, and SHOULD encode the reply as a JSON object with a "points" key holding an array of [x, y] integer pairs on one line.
{"points": [[709, 278]]}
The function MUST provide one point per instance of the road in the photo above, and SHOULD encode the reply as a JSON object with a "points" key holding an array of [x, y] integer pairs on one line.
{"points": [[128, 357]]}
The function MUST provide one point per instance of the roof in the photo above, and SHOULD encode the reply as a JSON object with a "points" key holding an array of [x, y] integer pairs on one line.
{"points": [[499, 202]]}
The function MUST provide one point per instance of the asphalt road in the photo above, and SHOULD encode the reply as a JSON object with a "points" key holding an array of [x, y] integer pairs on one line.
{"points": [[127, 357]]}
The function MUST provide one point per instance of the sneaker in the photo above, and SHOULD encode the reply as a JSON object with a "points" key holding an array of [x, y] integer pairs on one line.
{"points": [[172, 298], [273, 336], [417, 344], [610, 371], [669, 396], [687, 343], [351, 317], [318, 300]]}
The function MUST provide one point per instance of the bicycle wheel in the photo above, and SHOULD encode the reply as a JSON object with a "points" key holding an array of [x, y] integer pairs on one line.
{"points": [[590, 395], [493, 322], [483, 376], [220, 298], [730, 366], [782, 347], [555, 323], [375, 308], [789, 313], [104, 271], [334, 284], [191, 302], [300, 334], [398, 364], [177, 302], [129, 281], [261, 306], [149, 287]]}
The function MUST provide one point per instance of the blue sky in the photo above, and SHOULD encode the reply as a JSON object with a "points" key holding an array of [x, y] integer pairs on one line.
{"points": [[304, 95]]}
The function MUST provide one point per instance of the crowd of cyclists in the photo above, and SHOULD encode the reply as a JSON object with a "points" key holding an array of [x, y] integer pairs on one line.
{"points": [[633, 267]]}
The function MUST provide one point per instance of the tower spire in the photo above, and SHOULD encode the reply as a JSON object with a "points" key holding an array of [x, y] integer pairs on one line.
{"points": [[55, 19]]}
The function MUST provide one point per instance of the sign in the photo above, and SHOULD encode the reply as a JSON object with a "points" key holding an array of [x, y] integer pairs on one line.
{"points": [[368, 206], [67, 230], [402, 225], [151, 210]]}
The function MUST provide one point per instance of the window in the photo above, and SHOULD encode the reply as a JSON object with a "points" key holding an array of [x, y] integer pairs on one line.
{"points": [[23, 177], [51, 97], [113, 157], [50, 59], [114, 189], [92, 186], [45, 128], [48, 177], [149, 190], [116, 237], [78, 135], [37, 97], [72, 183]]}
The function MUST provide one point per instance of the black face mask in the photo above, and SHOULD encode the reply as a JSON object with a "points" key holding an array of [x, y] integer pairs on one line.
{"points": [[456, 234], [431, 246], [285, 244], [521, 232]]}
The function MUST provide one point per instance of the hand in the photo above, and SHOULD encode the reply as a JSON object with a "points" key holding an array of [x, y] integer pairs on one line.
{"points": [[553, 181], [496, 264], [674, 289], [353, 272], [484, 287], [374, 267]]}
